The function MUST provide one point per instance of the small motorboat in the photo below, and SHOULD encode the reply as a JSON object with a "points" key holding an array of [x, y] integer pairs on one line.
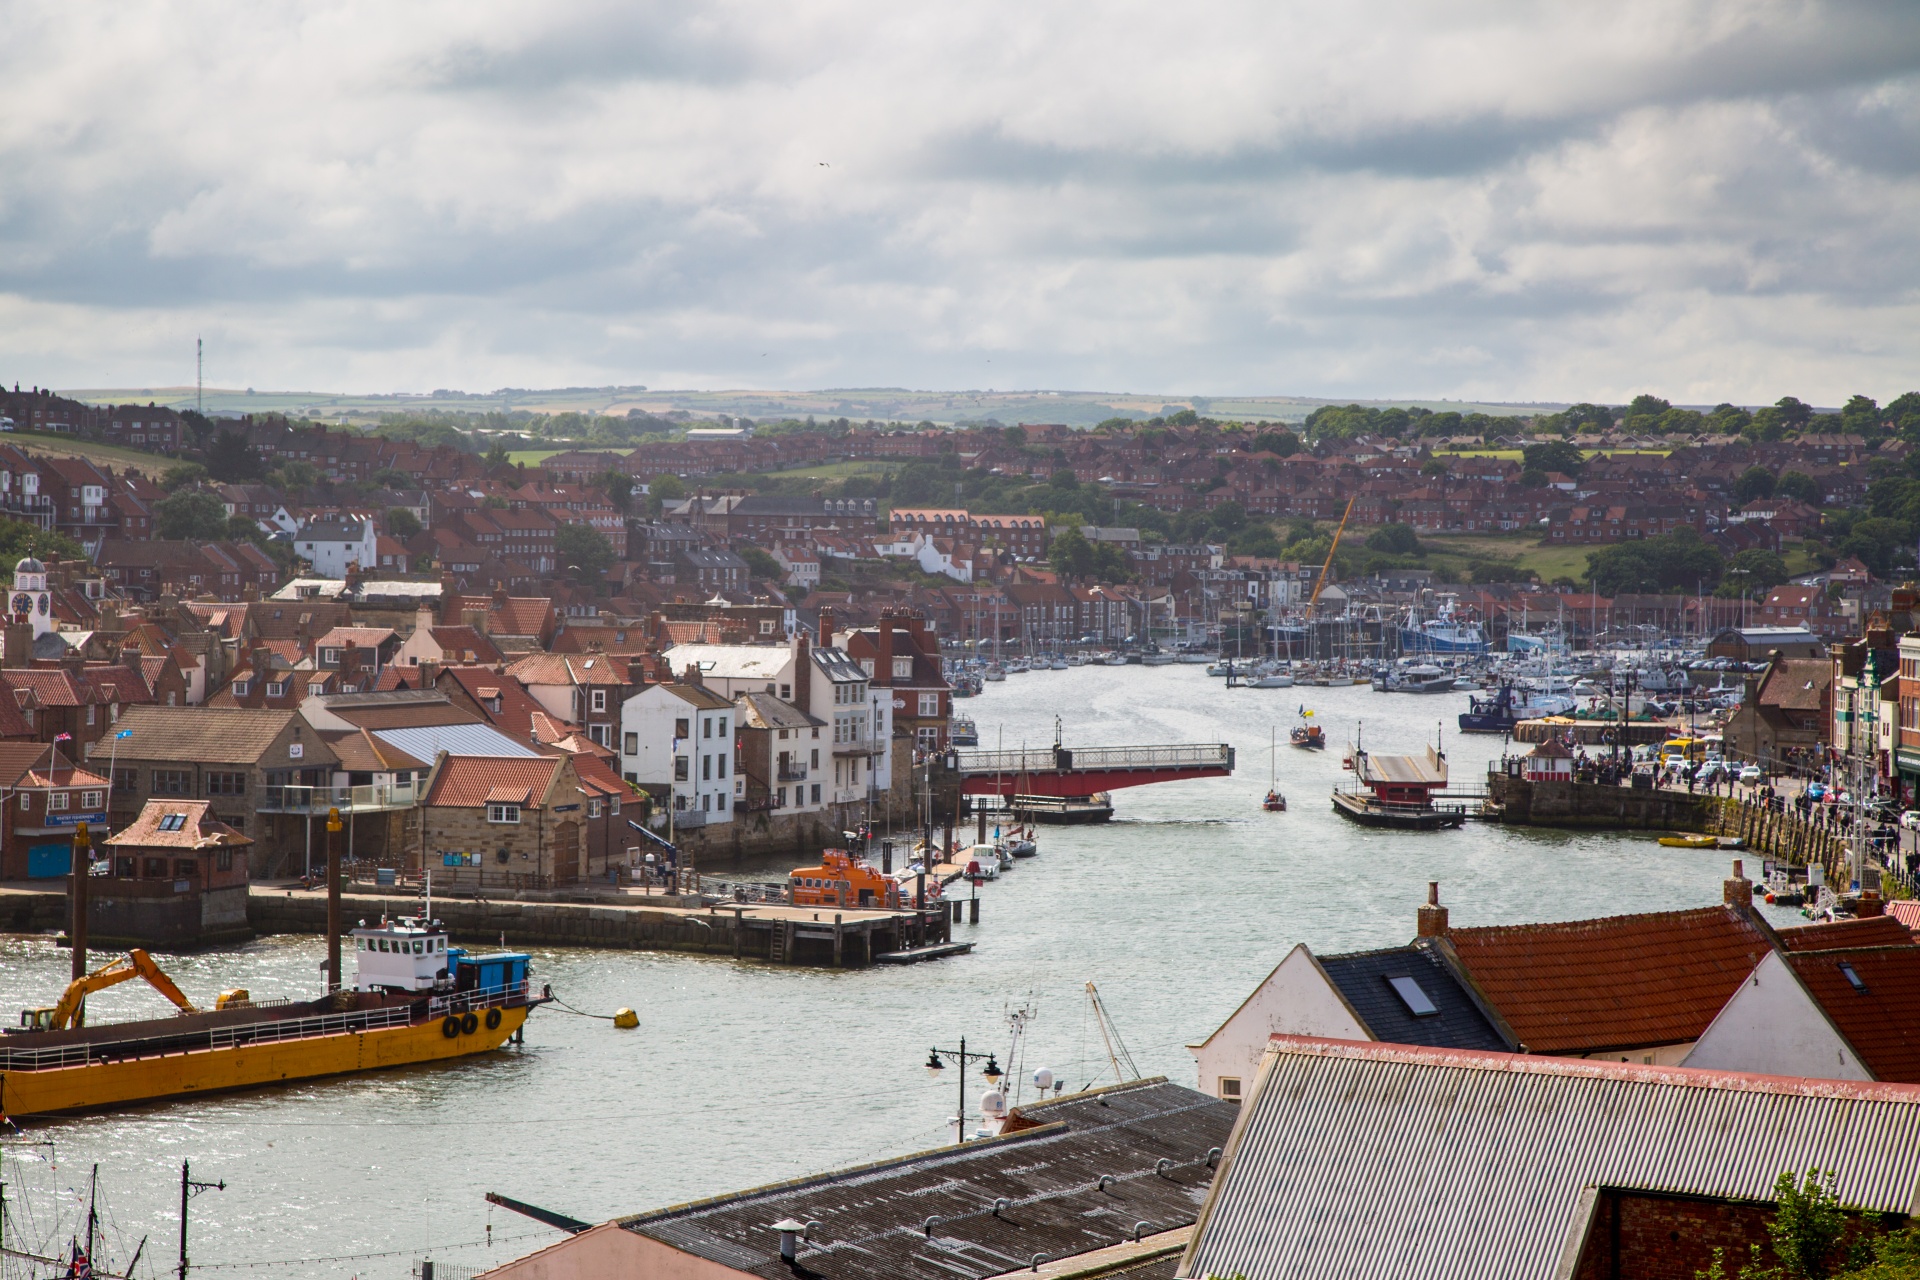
{"points": [[1690, 842], [1274, 802], [1307, 734]]}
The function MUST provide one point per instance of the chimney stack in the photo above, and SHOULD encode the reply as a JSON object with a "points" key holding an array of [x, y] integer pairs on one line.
{"points": [[825, 627], [1432, 916], [802, 672], [1737, 890]]}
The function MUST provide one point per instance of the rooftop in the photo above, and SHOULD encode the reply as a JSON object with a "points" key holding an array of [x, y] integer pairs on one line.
{"points": [[176, 824]]}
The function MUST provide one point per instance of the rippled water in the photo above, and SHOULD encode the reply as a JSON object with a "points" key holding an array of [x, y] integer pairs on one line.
{"points": [[742, 1074]]}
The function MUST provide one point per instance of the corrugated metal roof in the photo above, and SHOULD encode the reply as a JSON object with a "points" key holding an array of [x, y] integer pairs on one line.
{"points": [[427, 741], [1367, 1160], [933, 1214]]}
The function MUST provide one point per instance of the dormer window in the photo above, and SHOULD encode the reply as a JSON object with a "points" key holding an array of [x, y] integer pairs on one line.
{"points": [[241, 688]]}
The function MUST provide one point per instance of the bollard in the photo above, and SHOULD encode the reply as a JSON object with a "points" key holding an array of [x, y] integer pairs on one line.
{"points": [[973, 912], [956, 910], [886, 857]]}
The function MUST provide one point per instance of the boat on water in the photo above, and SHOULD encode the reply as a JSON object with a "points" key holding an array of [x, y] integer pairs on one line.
{"points": [[413, 999], [994, 673], [1690, 842], [1307, 734], [962, 732], [1268, 680], [1444, 633], [1161, 659], [1397, 792], [1417, 677], [1508, 705], [1273, 801], [1115, 659]]}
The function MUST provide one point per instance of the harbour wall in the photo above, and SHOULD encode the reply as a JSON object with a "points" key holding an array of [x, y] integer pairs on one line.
{"points": [[784, 936]]}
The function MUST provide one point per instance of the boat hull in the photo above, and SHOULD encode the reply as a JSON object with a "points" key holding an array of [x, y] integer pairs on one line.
{"points": [[100, 1085], [1355, 809]]}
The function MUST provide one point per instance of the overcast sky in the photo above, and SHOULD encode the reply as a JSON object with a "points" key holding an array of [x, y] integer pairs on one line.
{"points": [[1710, 199]]}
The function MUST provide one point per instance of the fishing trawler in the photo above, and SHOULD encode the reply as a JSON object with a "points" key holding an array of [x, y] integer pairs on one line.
{"points": [[413, 999]]}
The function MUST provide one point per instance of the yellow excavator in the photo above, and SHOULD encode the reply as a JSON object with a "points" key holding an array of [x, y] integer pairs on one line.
{"points": [[68, 1013]]}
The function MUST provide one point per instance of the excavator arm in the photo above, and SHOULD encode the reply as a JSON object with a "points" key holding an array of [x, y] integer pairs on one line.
{"points": [[135, 964]]}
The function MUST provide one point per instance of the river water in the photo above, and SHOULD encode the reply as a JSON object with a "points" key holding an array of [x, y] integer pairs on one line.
{"points": [[743, 1074]]}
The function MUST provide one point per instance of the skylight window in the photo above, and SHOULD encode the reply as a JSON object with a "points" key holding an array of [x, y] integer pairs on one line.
{"points": [[1413, 997], [1853, 979], [173, 822]]}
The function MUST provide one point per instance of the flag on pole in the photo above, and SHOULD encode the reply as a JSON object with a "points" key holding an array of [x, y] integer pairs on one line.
{"points": [[63, 737], [124, 733]]}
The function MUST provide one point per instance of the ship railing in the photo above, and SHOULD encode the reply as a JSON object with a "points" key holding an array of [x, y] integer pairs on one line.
{"points": [[480, 998], [324, 1024]]}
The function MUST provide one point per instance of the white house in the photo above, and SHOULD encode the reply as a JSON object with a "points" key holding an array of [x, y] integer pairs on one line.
{"points": [[801, 565], [1774, 1026], [331, 543], [680, 737], [1297, 998]]}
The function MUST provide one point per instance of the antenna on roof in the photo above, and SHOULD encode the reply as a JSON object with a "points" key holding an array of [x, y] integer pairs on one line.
{"points": [[199, 376]]}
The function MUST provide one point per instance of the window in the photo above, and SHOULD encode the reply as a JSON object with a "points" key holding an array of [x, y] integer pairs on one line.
{"points": [[56, 800], [706, 768], [315, 689], [683, 729], [126, 779], [330, 656], [155, 868], [92, 712], [720, 802], [681, 768], [173, 822], [593, 809], [224, 860], [903, 668], [503, 813], [786, 692], [706, 727], [816, 793], [90, 800], [721, 768], [1229, 1089], [172, 782], [242, 687], [929, 704], [184, 868], [26, 802], [599, 699], [276, 688], [1413, 997], [633, 744], [123, 868], [226, 784]]}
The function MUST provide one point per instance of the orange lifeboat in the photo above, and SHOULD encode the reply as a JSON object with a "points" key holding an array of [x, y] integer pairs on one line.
{"points": [[842, 880]]}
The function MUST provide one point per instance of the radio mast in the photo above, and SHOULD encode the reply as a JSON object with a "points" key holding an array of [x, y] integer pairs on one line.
{"points": [[199, 376]]}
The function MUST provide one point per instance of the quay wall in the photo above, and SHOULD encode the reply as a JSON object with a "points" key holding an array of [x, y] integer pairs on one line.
{"points": [[673, 926]]}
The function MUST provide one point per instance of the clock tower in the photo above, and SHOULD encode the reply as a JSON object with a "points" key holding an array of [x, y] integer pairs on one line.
{"points": [[30, 596]]}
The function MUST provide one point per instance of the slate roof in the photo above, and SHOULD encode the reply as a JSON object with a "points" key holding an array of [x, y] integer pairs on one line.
{"points": [[467, 782], [1357, 1161], [1458, 1022], [200, 831], [764, 711], [1881, 1017], [933, 1213], [210, 735], [1829, 935], [1620, 982]]}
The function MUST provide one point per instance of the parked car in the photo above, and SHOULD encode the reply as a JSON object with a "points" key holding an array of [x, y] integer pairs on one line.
{"points": [[1911, 819], [1816, 790], [1751, 775]]}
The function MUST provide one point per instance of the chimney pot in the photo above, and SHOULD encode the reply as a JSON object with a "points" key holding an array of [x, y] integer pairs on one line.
{"points": [[1737, 890]]}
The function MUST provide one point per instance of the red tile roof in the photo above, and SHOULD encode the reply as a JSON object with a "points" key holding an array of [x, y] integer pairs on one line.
{"points": [[1906, 911], [1881, 1017], [1832, 935], [467, 782], [1621, 982], [201, 830]]}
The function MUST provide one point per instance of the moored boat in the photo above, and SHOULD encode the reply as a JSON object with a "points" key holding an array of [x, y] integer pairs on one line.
{"points": [[414, 999]]}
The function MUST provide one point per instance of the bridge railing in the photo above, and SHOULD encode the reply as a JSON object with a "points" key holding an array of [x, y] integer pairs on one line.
{"points": [[1207, 755]]}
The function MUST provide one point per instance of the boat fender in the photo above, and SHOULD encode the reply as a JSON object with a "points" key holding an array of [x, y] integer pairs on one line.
{"points": [[493, 1019], [470, 1024], [450, 1026]]}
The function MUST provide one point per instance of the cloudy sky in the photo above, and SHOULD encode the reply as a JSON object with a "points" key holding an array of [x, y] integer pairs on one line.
{"points": [[1711, 199]]}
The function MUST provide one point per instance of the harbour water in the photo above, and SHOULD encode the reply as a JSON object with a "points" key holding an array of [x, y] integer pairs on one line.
{"points": [[742, 1074]]}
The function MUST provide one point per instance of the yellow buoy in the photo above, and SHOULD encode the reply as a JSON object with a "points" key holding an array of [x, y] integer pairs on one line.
{"points": [[626, 1019]]}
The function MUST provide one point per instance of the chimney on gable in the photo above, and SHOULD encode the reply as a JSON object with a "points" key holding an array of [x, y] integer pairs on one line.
{"points": [[1736, 890], [1432, 916]]}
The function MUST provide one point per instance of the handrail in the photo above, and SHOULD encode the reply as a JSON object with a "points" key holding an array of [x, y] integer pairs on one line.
{"points": [[1059, 759]]}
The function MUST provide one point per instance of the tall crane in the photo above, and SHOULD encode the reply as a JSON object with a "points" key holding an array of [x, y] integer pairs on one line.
{"points": [[1328, 566]]}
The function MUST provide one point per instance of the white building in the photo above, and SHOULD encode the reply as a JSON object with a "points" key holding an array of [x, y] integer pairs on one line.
{"points": [[30, 598], [834, 688], [679, 737], [331, 543]]}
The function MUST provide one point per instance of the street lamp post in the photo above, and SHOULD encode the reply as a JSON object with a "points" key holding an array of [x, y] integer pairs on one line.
{"points": [[960, 1057]]}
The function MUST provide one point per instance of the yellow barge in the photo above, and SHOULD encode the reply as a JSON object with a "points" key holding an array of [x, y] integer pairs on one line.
{"points": [[414, 1000]]}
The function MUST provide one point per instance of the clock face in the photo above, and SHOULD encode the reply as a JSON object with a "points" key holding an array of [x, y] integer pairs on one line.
{"points": [[44, 605], [22, 602]]}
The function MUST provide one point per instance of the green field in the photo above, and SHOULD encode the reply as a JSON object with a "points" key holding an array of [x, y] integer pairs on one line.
{"points": [[1523, 550], [55, 445]]}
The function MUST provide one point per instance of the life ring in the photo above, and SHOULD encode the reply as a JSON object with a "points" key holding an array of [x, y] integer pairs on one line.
{"points": [[450, 1026], [470, 1023], [493, 1019]]}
